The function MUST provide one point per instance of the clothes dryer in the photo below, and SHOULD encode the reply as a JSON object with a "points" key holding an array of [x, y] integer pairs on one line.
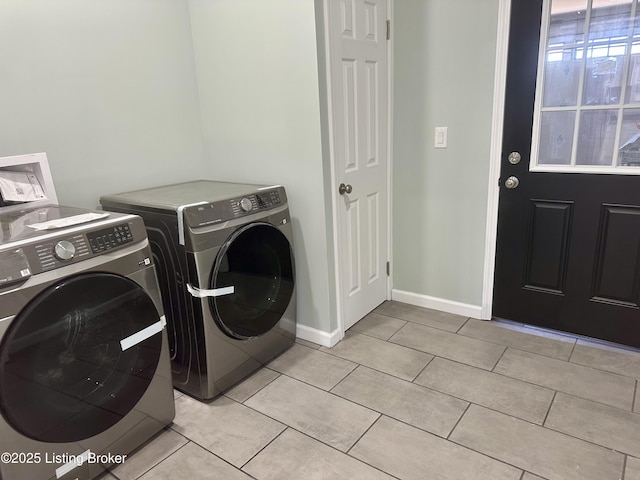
{"points": [[84, 364], [225, 258]]}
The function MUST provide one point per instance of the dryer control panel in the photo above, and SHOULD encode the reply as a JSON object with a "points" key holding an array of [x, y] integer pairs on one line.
{"points": [[254, 203], [225, 210]]}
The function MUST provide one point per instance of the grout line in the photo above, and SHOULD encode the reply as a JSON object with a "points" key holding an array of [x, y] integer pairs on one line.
{"points": [[346, 453], [363, 434], [343, 379], [265, 446], [635, 396], [424, 324], [549, 409], [218, 456], [624, 468], [224, 394], [423, 369], [498, 360], [462, 326], [458, 421], [160, 462], [573, 349]]}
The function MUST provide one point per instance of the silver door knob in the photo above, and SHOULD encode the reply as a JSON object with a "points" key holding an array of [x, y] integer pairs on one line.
{"points": [[514, 158], [345, 189], [512, 182]]}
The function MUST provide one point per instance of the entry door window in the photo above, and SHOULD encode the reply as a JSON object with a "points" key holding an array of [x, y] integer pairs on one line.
{"points": [[257, 262], [65, 374], [587, 116]]}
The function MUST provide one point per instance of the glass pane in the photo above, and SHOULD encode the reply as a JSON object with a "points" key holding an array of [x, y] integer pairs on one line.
{"points": [[562, 65], [633, 83], [556, 138], [608, 33], [257, 263], [596, 137], [567, 22], [629, 150], [561, 77]]}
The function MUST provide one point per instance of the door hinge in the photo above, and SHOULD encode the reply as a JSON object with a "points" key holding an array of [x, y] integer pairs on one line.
{"points": [[388, 268], [388, 29]]}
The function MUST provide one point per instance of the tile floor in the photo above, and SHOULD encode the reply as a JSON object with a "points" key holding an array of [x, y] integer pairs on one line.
{"points": [[412, 393]]}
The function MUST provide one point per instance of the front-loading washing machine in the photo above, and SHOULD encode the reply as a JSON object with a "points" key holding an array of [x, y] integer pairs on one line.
{"points": [[224, 253], [85, 376]]}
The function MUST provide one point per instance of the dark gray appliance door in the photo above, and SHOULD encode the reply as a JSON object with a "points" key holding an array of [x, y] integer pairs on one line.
{"points": [[77, 358], [257, 261]]}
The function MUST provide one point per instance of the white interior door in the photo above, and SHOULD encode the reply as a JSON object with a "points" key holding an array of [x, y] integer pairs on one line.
{"points": [[359, 99]]}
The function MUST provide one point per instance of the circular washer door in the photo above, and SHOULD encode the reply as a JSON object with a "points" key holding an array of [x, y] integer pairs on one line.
{"points": [[64, 373], [257, 262]]}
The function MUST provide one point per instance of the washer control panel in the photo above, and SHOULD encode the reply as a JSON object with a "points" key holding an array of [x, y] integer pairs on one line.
{"points": [[59, 250], [108, 238]]}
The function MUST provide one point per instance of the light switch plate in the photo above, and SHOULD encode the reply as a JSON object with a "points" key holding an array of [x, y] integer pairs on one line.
{"points": [[440, 139]]}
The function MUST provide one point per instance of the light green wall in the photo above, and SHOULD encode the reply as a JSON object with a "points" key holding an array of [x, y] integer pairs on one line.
{"points": [[106, 88], [444, 54], [114, 93], [258, 81]]}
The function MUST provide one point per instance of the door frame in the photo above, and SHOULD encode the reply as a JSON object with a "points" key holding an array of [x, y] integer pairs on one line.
{"points": [[338, 335], [497, 124]]}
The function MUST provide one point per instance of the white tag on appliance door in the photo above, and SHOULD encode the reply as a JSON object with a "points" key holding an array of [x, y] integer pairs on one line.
{"points": [[143, 334], [214, 292], [76, 462]]}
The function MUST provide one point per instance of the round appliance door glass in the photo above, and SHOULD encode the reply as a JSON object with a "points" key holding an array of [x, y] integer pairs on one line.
{"points": [[257, 262], [65, 372]]}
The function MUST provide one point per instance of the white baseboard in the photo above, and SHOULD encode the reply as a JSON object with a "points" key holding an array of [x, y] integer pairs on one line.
{"points": [[449, 306], [318, 336]]}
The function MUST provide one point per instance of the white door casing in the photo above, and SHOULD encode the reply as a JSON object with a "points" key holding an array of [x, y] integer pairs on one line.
{"points": [[359, 96]]}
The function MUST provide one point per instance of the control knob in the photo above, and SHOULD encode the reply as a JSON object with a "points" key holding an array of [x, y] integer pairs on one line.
{"points": [[245, 205], [64, 250]]}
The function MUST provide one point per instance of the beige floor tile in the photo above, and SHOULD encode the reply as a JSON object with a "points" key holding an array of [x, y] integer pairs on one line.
{"points": [[150, 455], [322, 415], [230, 430], [177, 394], [578, 380], [312, 366], [601, 424], [424, 316], [536, 341], [409, 453], [294, 456], [194, 462], [609, 358], [505, 394], [553, 455], [402, 400], [386, 357], [449, 345], [250, 385], [379, 326], [632, 469]]}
